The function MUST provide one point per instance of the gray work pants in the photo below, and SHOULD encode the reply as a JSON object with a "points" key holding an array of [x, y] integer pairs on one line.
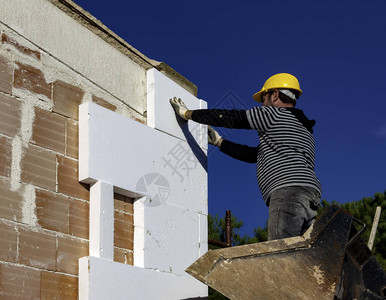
{"points": [[292, 210]]}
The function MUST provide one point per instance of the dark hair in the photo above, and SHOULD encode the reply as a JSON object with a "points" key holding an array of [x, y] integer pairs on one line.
{"points": [[269, 92], [285, 99]]}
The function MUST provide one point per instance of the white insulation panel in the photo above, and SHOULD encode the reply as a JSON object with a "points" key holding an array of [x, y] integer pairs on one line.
{"points": [[103, 279], [160, 89], [167, 175]]}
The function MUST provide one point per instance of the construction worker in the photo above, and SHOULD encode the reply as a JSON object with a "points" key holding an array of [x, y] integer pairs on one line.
{"points": [[285, 156]]}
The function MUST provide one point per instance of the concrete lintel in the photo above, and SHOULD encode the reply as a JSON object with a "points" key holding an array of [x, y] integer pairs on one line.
{"points": [[97, 27]]}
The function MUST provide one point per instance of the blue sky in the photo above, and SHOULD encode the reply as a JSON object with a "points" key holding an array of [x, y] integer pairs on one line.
{"points": [[229, 48]]}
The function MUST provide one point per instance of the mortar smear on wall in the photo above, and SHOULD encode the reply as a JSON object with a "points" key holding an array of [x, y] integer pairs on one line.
{"points": [[29, 206]]}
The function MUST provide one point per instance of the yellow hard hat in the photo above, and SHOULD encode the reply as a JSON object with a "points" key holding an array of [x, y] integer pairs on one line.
{"points": [[279, 81]]}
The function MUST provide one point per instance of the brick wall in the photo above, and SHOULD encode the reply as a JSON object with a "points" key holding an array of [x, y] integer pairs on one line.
{"points": [[44, 210]]}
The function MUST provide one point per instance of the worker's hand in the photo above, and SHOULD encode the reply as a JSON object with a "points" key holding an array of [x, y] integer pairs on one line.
{"points": [[179, 107], [213, 137]]}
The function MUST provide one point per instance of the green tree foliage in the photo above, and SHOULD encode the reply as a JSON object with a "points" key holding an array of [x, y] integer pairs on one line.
{"points": [[216, 231], [216, 227]]}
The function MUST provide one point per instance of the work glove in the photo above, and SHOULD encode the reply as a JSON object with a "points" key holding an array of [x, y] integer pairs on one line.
{"points": [[213, 137], [179, 107]]}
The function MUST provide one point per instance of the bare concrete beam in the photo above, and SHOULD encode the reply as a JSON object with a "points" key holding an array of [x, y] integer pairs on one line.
{"points": [[97, 27]]}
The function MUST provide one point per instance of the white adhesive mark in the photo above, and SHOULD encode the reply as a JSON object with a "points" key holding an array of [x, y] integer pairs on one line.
{"points": [[17, 155], [29, 206], [318, 274], [60, 258], [32, 99], [27, 120], [24, 137], [38, 263]]}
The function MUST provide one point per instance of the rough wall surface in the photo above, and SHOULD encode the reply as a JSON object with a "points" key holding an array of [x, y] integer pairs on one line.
{"points": [[49, 64], [70, 43]]}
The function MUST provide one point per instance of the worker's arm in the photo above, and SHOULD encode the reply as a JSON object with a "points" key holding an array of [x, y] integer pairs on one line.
{"points": [[220, 118], [240, 152], [237, 151], [214, 117]]}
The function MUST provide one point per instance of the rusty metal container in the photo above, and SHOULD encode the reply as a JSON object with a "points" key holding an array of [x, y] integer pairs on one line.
{"points": [[330, 261]]}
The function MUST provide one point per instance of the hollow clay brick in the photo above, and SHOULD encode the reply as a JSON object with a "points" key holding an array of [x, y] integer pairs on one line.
{"points": [[49, 130], [52, 211], [38, 167], [5, 156], [129, 205], [123, 230], [37, 249], [8, 242], [32, 79], [10, 115], [67, 99], [130, 258], [10, 202], [68, 179], [58, 286], [103, 103], [79, 218], [119, 255], [123, 203], [119, 203], [69, 251], [5, 39], [19, 282], [72, 141], [123, 256], [6, 76]]}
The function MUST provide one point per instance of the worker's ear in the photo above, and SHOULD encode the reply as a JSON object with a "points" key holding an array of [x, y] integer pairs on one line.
{"points": [[275, 95]]}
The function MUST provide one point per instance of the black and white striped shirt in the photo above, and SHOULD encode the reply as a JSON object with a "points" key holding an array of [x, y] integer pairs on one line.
{"points": [[285, 155]]}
